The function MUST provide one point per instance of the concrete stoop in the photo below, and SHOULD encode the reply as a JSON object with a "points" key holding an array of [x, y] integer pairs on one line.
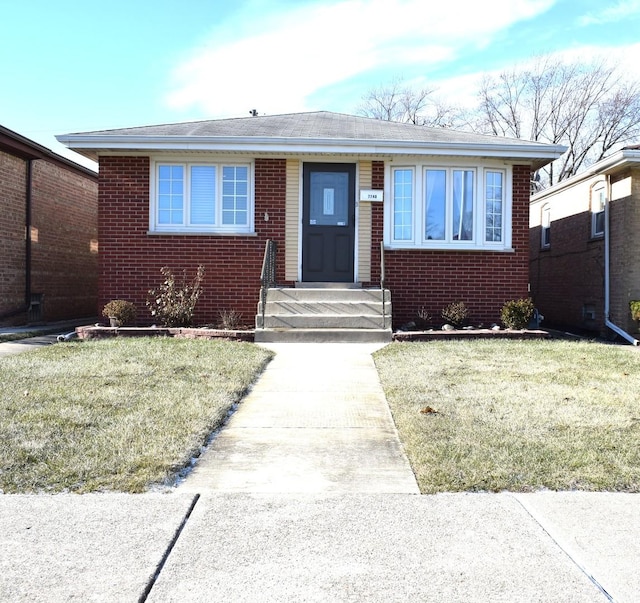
{"points": [[324, 314]]}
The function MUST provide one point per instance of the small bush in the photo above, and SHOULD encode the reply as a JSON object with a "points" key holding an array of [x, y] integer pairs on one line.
{"points": [[230, 320], [456, 314], [516, 314], [123, 311], [173, 303], [423, 318], [634, 306]]}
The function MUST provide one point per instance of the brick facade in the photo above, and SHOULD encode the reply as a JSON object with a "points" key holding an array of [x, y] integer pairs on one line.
{"points": [[131, 258], [483, 280], [568, 277], [64, 241]]}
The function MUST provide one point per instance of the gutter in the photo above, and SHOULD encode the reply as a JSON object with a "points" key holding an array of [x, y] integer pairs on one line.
{"points": [[616, 329], [27, 250], [90, 145]]}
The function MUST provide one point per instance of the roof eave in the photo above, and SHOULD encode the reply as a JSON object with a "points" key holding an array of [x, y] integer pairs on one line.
{"points": [[603, 167], [92, 145]]}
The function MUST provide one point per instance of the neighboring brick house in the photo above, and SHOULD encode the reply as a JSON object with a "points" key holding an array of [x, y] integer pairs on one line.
{"points": [[585, 250], [451, 208], [48, 234]]}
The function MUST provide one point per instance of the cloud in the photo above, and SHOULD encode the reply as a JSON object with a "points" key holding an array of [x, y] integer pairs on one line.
{"points": [[281, 59], [622, 10]]}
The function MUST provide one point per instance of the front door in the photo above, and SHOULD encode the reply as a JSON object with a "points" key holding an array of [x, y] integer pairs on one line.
{"points": [[328, 222]]}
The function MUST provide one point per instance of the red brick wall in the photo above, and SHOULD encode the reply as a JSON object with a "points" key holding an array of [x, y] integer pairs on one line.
{"points": [[484, 281], [131, 259], [64, 238]]}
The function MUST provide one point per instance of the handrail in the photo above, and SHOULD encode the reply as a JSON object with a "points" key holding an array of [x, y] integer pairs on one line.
{"points": [[384, 312], [268, 274]]}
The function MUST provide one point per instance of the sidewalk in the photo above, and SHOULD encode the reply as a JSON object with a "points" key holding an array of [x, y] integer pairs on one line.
{"points": [[306, 496], [317, 420]]}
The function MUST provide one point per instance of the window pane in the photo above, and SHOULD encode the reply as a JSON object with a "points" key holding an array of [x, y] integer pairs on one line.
{"points": [[462, 227], [402, 204], [435, 204], [493, 213], [235, 195], [170, 194], [203, 194]]}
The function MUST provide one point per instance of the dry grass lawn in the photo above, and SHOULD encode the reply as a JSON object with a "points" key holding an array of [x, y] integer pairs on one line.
{"points": [[516, 415], [119, 414]]}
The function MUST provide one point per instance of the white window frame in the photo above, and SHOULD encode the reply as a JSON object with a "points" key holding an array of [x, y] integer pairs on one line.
{"points": [[478, 241], [217, 227], [598, 194], [545, 222]]}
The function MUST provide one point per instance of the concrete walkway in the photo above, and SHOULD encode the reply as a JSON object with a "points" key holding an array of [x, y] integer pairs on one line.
{"points": [[317, 420], [306, 496]]}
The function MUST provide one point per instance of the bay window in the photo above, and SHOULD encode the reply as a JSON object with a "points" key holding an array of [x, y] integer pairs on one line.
{"points": [[201, 197], [445, 207]]}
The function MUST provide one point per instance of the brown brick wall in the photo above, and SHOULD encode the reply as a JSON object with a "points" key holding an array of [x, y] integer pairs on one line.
{"points": [[13, 179], [131, 259], [64, 238]]}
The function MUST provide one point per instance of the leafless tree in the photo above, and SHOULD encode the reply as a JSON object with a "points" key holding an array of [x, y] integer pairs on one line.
{"points": [[591, 108], [588, 107], [398, 101]]}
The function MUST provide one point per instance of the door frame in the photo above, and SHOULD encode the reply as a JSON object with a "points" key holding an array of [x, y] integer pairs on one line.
{"points": [[355, 185]]}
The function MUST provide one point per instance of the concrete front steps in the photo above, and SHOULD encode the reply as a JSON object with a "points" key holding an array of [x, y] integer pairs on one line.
{"points": [[325, 313]]}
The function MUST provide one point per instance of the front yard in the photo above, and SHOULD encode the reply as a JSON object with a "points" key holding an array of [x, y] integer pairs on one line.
{"points": [[516, 415], [118, 414]]}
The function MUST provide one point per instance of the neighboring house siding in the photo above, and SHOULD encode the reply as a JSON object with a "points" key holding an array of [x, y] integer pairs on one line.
{"points": [[625, 247], [131, 259], [568, 277], [64, 247], [483, 280], [13, 182]]}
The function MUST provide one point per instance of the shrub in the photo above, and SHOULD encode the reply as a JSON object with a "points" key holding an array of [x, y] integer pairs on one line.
{"points": [[516, 314], [456, 314], [230, 320], [634, 306], [423, 318], [123, 311], [173, 303]]}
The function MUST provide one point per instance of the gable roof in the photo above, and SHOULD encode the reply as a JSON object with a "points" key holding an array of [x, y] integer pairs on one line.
{"points": [[314, 132]]}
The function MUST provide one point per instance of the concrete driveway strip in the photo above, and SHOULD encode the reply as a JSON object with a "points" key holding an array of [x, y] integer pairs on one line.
{"points": [[375, 548], [317, 420], [92, 547]]}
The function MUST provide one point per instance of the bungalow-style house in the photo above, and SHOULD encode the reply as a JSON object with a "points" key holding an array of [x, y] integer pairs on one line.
{"points": [[585, 265], [351, 203], [48, 234]]}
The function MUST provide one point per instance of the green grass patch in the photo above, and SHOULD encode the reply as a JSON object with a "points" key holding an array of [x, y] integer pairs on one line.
{"points": [[516, 415], [118, 414], [4, 337]]}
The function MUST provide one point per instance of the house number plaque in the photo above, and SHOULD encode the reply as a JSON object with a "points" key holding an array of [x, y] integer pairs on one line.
{"points": [[371, 195]]}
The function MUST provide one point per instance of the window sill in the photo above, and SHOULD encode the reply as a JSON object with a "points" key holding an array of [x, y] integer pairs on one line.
{"points": [[198, 233], [388, 247]]}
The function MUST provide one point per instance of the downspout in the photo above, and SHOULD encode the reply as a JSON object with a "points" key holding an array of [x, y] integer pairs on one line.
{"points": [[27, 249], [616, 329]]}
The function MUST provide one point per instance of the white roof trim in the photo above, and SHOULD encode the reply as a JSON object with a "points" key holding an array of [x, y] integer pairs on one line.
{"points": [[97, 143], [602, 167]]}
